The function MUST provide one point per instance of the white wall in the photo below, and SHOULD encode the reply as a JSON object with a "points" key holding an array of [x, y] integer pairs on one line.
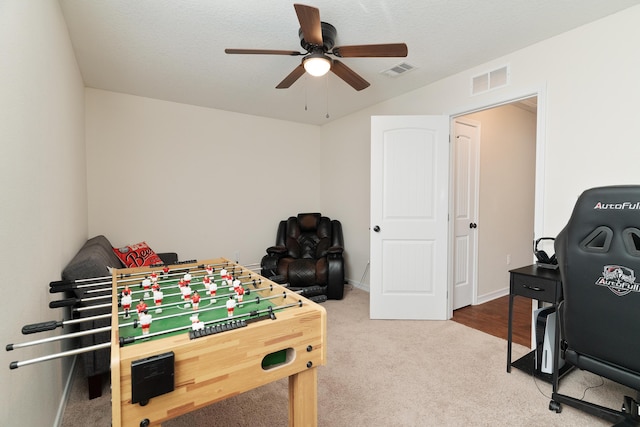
{"points": [[42, 196], [591, 85], [201, 182]]}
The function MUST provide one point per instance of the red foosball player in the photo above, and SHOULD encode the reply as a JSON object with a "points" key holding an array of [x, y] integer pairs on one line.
{"points": [[165, 271], [145, 322], [187, 278], [141, 307], [195, 300], [231, 304], [154, 277], [157, 298], [239, 295]]}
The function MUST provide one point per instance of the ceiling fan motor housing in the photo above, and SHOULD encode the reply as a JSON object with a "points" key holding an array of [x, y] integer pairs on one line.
{"points": [[329, 34]]}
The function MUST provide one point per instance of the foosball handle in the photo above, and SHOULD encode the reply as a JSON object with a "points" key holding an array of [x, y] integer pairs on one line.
{"points": [[40, 327], [62, 288], [57, 283], [63, 303]]}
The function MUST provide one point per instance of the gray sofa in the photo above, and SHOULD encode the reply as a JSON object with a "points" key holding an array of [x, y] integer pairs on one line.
{"points": [[93, 260]]}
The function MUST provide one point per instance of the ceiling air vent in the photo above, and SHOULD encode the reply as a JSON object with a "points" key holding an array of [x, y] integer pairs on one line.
{"points": [[398, 69], [490, 80]]}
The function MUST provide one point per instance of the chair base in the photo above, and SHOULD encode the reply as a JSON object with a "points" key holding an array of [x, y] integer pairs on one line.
{"points": [[628, 416]]}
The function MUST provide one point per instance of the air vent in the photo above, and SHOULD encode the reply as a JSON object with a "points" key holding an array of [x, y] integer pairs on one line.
{"points": [[490, 80], [398, 69]]}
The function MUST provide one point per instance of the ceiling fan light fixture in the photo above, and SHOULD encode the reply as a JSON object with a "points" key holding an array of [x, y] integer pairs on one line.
{"points": [[317, 64]]}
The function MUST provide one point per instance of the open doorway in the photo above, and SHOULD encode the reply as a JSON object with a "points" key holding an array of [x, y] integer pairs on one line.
{"points": [[506, 203]]}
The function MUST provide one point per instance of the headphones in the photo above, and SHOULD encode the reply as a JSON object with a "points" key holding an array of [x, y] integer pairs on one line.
{"points": [[542, 256]]}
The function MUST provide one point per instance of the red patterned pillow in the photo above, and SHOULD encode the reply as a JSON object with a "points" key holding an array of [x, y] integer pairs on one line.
{"points": [[137, 255]]}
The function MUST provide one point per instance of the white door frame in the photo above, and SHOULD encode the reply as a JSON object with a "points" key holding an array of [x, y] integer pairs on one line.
{"points": [[497, 101]]}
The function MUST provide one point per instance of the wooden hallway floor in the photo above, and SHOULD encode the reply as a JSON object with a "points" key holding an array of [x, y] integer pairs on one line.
{"points": [[492, 317]]}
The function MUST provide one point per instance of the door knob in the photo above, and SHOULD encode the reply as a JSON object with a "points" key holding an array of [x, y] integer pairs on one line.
{"points": [[473, 225], [376, 229]]}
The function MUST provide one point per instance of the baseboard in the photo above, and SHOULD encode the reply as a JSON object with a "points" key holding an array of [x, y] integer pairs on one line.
{"points": [[492, 295], [359, 285], [65, 394]]}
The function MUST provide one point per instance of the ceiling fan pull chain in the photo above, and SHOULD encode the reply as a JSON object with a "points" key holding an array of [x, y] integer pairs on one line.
{"points": [[327, 80]]}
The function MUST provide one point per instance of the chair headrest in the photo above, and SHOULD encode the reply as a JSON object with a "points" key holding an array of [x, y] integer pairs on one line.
{"points": [[308, 221]]}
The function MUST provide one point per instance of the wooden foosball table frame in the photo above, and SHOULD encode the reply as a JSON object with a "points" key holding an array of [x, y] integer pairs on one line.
{"points": [[211, 368]]}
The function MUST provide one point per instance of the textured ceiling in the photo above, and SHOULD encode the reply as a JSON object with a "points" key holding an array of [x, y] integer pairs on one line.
{"points": [[174, 49]]}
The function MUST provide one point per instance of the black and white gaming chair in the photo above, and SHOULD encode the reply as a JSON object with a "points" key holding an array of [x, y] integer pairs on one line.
{"points": [[598, 254]]}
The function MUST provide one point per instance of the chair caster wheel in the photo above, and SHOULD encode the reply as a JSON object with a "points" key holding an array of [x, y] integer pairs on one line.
{"points": [[555, 406]]}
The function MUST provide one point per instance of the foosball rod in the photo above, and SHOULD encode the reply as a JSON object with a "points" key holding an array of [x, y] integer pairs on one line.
{"points": [[74, 301], [123, 276], [10, 347], [128, 340], [53, 324], [64, 286], [270, 309], [14, 365]]}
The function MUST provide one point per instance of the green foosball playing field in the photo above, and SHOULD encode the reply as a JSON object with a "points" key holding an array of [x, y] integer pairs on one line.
{"points": [[202, 312]]}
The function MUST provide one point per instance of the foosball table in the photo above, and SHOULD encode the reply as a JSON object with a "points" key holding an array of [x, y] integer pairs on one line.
{"points": [[189, 335]]}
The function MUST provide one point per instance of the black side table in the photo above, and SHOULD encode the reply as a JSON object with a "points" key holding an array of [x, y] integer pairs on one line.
{"points": [[543, 285]]}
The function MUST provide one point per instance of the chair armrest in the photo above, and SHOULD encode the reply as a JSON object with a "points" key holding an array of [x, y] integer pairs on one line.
{"points": [[335, 250], [277, 250]]}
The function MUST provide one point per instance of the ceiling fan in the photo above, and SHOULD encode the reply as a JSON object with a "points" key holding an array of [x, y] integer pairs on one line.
{"points": [[318, 39]]}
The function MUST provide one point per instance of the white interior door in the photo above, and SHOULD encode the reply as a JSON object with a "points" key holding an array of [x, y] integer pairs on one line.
{"points": [[409, 217], [466, 152]]}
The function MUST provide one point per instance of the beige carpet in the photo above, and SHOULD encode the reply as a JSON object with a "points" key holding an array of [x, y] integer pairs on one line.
{"points": [[394, 373]]}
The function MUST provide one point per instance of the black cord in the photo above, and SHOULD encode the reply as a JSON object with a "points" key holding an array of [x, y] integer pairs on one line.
{"points": [[584, 393]]}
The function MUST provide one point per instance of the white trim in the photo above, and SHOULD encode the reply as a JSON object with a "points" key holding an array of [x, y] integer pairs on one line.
{"points": [[493, 295], [491, 101]]}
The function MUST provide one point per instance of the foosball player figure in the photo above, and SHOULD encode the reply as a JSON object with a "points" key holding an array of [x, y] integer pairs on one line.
{"points": [[165, 271], [187, 278], [209, 270], [239, 295], [145, 322], [125, 302], [146, 285], [211, 287], [181, 283], [141, 307], [196, 324], [231, 304], [195, 300], [226, 277], [186, 295], [157, 298], [154, 277]]}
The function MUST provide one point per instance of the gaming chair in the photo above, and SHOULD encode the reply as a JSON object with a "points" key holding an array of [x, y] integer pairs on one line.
{"points": [[598, 254]]}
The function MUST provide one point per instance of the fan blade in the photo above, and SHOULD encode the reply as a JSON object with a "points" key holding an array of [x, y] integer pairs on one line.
{"points": [[349, 76], [262, 52], [291, 78], [309, 18], [371, 50]]}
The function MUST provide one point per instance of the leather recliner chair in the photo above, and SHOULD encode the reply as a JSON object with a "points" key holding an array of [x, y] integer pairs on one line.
{"points": [[308, 255]]}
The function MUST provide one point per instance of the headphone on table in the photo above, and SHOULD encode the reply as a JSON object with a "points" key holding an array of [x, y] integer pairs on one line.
{"points": [[542, 256]]}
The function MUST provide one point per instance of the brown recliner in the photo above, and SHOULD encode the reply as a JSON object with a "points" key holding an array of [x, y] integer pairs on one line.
{"points": [[308, 255]]}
